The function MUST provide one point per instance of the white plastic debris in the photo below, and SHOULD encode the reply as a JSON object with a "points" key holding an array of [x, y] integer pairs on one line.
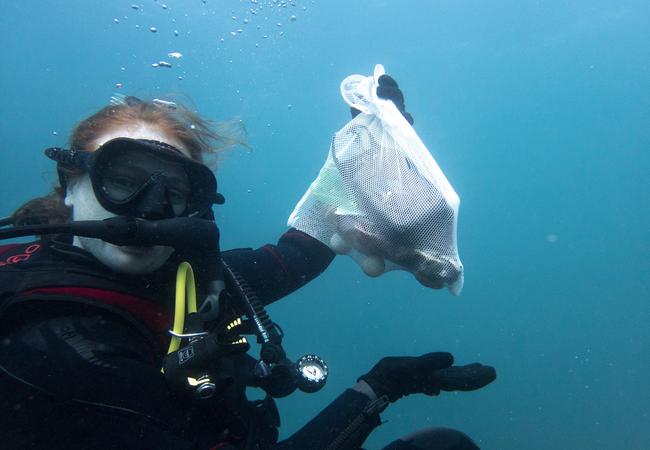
{"points": [[164, 103], [118, 99]]}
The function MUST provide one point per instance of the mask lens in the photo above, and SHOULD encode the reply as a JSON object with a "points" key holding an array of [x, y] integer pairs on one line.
{"points": [[120, 181], [136, 175], [178, 196]]}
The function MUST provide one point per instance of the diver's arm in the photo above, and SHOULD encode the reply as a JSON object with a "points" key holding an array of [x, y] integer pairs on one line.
{"points": [[274, 271], [348, 420], [343, 424]]}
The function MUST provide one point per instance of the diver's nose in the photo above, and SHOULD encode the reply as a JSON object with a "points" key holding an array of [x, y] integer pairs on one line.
{"points": [[153, 204]]}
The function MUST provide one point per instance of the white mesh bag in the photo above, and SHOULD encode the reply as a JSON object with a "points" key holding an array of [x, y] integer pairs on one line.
{"points": [[381, 198]]}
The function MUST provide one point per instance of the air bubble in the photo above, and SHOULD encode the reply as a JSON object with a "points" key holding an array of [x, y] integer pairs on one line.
{"points": [[551, 238]]}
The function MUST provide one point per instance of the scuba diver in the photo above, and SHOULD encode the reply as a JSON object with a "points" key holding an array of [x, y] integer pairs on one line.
{"points": [[86, 311]]}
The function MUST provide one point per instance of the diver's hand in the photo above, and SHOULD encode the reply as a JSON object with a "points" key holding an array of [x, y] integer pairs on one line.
{"points": [[389, 90], [397, 376], [465, 378]]}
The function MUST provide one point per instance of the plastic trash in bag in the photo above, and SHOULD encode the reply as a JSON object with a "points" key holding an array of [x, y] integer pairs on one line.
{"points": [[381, 198]]}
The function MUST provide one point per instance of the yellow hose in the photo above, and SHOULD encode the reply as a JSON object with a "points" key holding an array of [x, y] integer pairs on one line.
{"points": [[185, 289]]}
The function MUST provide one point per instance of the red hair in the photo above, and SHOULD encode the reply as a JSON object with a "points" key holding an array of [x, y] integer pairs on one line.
{"points": [[198, 136]]}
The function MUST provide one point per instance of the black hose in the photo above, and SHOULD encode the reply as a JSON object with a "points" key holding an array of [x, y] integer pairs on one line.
{"points": [[7, 221], [268, 331]]}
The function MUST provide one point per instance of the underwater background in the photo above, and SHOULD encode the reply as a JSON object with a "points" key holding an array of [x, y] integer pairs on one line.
{"points": [[538, 112]]}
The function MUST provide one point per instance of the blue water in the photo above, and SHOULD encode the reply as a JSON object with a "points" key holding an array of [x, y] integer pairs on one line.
{"points": [[539, 114]]}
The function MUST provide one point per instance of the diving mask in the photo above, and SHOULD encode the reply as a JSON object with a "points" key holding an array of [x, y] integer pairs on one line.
{"points": [[143, 178]]}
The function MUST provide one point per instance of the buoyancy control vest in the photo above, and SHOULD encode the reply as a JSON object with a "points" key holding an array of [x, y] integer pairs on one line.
{"points": [[41, 273], [54, 271]]}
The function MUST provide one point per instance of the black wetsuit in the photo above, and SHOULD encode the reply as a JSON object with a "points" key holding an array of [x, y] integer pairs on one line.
{"points": [[81, 350]]}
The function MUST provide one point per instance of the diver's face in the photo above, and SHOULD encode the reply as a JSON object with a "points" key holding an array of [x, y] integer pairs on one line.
{"points": [[81, 198]]}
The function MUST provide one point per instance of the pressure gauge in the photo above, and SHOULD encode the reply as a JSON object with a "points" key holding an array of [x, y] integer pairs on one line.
{"points": [[311, 373]]}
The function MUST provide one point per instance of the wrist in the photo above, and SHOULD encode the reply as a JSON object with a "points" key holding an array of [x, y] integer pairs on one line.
{"points": [[364, 388]]}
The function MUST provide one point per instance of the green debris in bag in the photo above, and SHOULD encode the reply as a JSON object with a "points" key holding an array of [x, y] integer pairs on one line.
{"points": [[329, 189]]}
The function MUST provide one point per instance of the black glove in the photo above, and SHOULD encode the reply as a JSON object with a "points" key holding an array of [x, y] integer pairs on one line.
{"points": [[389, 90], [465, 378], [397, 376]]}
